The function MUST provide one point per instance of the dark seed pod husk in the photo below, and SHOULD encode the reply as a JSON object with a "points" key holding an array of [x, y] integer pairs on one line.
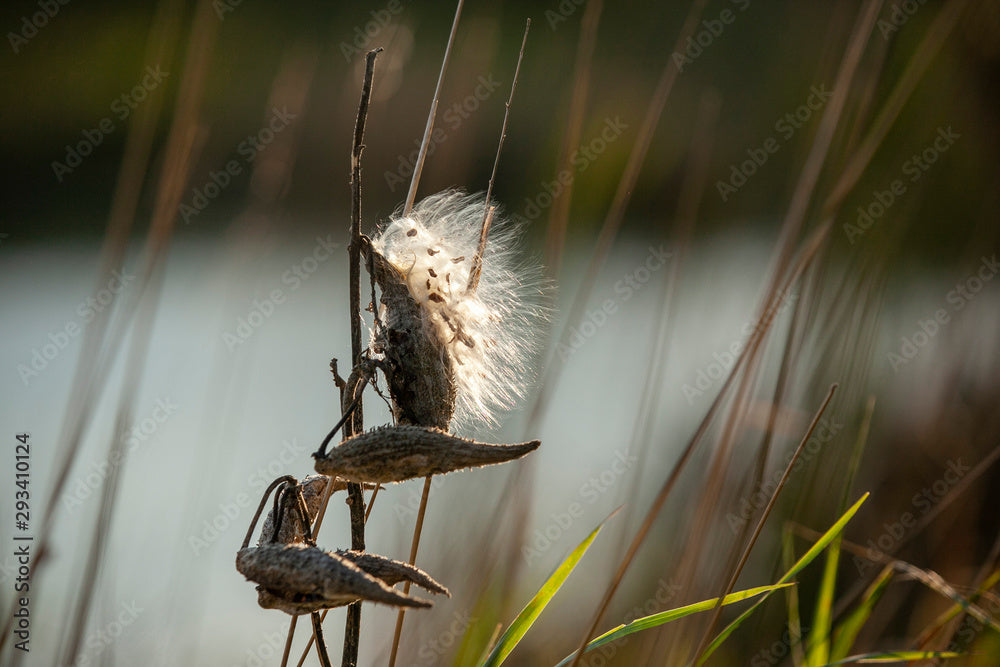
{"points": [[299, 578], [398, 453], [393, 571], [313, 488]]}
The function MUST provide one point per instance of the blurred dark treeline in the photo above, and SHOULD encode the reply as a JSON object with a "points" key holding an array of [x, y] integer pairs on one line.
{"points": [[63, 78]]}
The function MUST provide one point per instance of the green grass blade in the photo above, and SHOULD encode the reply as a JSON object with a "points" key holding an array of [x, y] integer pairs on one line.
{"points": [[655, 620], [794, 619], [806, 558], [534, 608], [819, 636], [848, 629], [894, 656]]}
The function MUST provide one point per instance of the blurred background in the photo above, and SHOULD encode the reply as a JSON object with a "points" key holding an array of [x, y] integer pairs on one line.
{"points": [[173, 256]]}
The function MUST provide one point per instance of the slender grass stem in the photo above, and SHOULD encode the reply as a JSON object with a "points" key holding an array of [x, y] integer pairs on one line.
{"points": [[414, 545]]}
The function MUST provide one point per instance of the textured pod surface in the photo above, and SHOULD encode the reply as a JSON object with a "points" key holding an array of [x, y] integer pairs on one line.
{"points": [[398, 453], [298, 576], [393, 571]]}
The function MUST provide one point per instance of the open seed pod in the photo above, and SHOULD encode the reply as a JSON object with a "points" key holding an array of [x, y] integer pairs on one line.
{"points": [[299, 578], [290, 530], [313, 488], [461, 310], [419, 372], [398, 453]]}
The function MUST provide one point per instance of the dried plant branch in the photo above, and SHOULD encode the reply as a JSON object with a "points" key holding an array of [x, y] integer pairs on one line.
{"points": [[477, 262], [352, 630]]}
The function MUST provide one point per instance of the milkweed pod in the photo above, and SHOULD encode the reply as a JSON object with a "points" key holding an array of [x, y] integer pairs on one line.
{"points": [[398, 453], [299, 578], [393, 571], [459, 330]]}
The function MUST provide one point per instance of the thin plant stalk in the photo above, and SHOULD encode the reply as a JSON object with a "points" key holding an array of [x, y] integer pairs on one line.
{"points": [[555, 240], [288, 640], [317, 623], [414, 545], [425, 142]]}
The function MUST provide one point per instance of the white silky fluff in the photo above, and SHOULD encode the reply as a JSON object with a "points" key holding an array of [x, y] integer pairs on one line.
{"points": [[434, 248]]}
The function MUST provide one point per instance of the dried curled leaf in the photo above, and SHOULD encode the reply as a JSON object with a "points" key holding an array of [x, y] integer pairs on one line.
{"points": [[299, 578], [398, 453], [393, 571]]}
